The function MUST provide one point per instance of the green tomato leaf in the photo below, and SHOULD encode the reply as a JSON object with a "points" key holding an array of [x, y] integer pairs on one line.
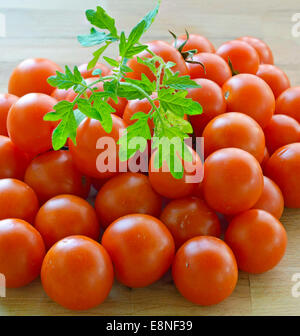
{"points": [[111, 61], [180, 82], [66, 80], [95, 38], [96, 57]]}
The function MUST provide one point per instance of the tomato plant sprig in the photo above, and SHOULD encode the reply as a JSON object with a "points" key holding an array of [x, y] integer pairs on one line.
{"points": [[168, 88]]}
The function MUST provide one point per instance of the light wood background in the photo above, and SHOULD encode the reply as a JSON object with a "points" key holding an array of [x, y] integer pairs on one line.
{"points": [[47, 28]]}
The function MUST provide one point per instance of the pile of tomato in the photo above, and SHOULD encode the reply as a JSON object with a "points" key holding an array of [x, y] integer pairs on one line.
{"points": [[142, 224]]}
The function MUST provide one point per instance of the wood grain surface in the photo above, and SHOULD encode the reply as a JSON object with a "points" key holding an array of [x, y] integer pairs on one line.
{"points": [[48, 28]]}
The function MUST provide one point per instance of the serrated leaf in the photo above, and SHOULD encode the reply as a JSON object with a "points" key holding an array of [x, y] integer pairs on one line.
{"points": [[79, 117], [94, 38], [111, 61], [66, 80], [101, 19], [135, 50], [180, 82], [149, 18], [60, 110], [105, 111], [86, 108], [180, 123], [65, 129], [96, 57]]}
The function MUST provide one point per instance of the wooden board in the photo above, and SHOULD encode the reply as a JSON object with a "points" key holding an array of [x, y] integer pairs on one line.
{"points": [[48, 28]]}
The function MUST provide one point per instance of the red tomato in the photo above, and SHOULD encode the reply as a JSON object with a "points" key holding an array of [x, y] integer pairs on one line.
{"points": [[274, 77], [281, 130], [234, 130], [216, 69], [87, 156], [26, 126], [265, 159], [205, 270], [211, 98], [195, 41], [66, 215], [13, 161], [61, 94], [263, 50], [31, 76], [233, 180], [141, 249], [251, 95], [283, 168], [77, 273], [243, 57], [17, 200], [85, 73], [54, 173], [289, 103], [257, 239], [22, 252], [189, 217], [6, 101]]}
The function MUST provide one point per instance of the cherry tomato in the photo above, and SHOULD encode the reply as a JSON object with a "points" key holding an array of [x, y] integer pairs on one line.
{"points": [[13, 161], [234, 130], [195, 41], [141, 249], [274, 77], [26, 126], [243, 57], [289, 103], [6, 101], [61, 94], [283, 168], [263, 50], [77, 273], [233, 180], [250, 95], [215, 68], [257, 239], [211, 98], [31, 76], [281, 130], [86, 153], [22, 251], [85, 73], [189, 217], [54, 173], [205, 270], [265, 159], [17, 200]]}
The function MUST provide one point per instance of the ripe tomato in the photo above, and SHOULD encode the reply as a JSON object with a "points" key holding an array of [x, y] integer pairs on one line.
{"points": [[22, 251], [85, 73], [265, 159], [126, 194], [13, 161], [6, 101], [234, 130], [189, 217], [26, 126], [66, 215], [17, 200], [31, 76], [86, 153], [77, 273], [257, 239], [233, 180], [281, 130], [61, 94], [274, 77], [211, 98], [54, 173], [283, 168], [167, 52], [141, 249], [216, 69], [289, 103], [271, 199], [243, 57], [251, 95], [263, 50], [195, 41], [205, 270]]}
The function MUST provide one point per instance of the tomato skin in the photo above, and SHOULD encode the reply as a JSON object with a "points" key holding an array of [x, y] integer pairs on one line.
{"points": [[265, 159], [54, 173], [263, 50], [205, 270], [77, 273], [283, 168], [141, 248], [281, 130], [256, 230], [61, 94], [211, 98], [289, 103], [195, 41], [216, 69], [274, 77], [17, 200], [26, 126], [250, 95], [189, 217], [22, 252], [6, 101], [31, 76], [85, 73], [233, 180]]}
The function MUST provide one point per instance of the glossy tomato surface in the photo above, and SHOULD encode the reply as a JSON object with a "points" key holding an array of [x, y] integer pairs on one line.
{"points": [[6, 101], [85, 73], [289, 103], [263, 50], [195, 41]]}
